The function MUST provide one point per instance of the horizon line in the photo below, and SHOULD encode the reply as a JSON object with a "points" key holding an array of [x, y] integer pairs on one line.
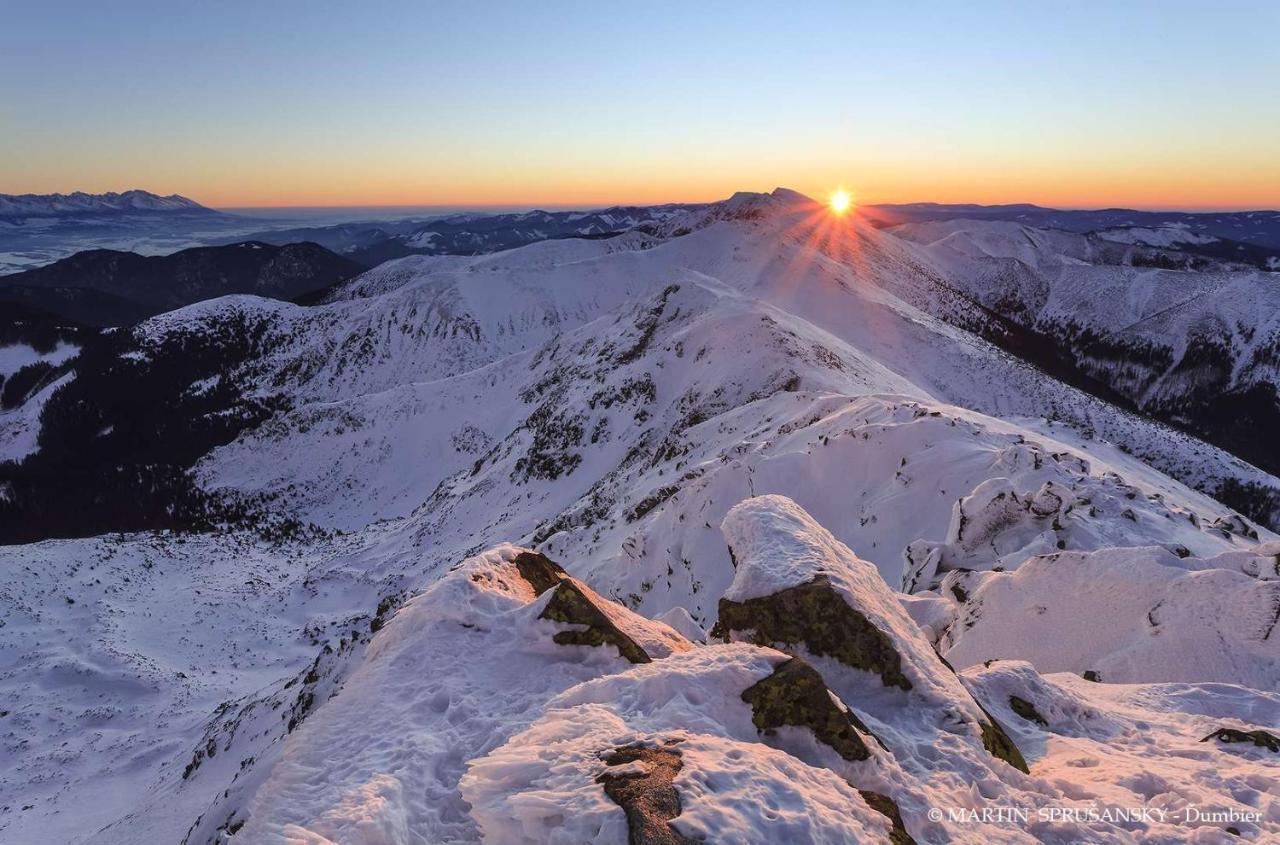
{"points": [[588, 206]]}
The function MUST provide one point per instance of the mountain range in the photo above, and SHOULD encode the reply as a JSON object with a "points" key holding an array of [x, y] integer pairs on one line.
{"points": [[749, 522], [1259, 228], [17, 208], [105, 287], [469, 234]]}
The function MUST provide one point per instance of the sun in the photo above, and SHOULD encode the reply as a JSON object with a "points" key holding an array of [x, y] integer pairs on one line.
{"points": [[841, 201]]}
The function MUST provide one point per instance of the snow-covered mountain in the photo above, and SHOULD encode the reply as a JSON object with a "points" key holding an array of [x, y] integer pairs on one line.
{"points": [[784, 461], [18, 207], [1257, 228], [1197, 349], [36, 229], [21, 206]]}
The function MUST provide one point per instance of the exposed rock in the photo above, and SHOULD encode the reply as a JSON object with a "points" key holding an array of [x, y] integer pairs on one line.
{"points": [[796, 695], [1260, 738], [541, 572], [814, 615], [647, 797], [570, 605], [888, 807], [999, 744], [844, 610], [1026, 710]]}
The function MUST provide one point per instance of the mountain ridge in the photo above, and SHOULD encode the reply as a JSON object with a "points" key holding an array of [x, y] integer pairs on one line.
{"points": [[134, 201], [1258, 227], [112, 287], [723, 416]]}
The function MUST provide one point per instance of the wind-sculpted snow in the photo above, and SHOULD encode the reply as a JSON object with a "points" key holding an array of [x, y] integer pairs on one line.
{"points": [[1128, 615], [544, 784], [470, 719], [997, 526], [798, 588], [1140, 745], [454, 672], [158, 665]]}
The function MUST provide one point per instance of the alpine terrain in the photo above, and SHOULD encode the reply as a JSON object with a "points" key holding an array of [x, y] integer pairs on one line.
{"points": [[749, 522]]}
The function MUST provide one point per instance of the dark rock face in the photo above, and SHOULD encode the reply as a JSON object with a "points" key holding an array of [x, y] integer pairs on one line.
{"points": [[103, 287], [570, 605], [541, 572], [1260, 738], [796, 695], [999, 744], [886, 806], [1027, 710], [649, 799], [813, 614]]}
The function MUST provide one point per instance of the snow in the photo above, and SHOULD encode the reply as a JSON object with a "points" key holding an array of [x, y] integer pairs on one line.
{"points": [[1131, 614], [731, 787], [15, 356], [1166, 236], [1127, 745], [435, 689], [611, 403], [683, 623], [777, 546], [20, 427]]}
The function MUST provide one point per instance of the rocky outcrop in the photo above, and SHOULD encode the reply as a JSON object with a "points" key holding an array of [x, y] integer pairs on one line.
{"points": [[644, 791], [826, 717], [795, 695], [571, 605], [511, 629], [800, 590], [1260, 738], [888, 808], [813, 615]]}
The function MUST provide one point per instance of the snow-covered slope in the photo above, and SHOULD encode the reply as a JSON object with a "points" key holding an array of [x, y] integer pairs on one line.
{"points": [[1196, 347], [608, 403], [508, 703]]}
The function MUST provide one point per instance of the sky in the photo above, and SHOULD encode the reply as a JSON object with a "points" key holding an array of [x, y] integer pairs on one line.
{"points": [[235, 104]]}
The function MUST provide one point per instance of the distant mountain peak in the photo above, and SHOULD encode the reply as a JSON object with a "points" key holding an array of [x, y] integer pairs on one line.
{"points": [[78, 202]]}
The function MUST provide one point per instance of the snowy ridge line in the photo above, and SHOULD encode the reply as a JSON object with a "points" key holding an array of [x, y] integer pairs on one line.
{"points": [[726, 723]]}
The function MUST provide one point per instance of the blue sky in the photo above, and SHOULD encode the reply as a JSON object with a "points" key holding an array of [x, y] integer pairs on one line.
{"points": [[276, 103]]}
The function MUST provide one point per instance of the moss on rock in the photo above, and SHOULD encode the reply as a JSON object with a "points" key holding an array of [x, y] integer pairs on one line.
{"points": [[815, 615], [539, 571], [886, 806], [999, 744], [796, 695], [1026, 710], [571, 606]]}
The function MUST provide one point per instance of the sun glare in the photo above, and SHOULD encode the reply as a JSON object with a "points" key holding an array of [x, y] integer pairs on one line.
{"points": [[841, 201]]}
